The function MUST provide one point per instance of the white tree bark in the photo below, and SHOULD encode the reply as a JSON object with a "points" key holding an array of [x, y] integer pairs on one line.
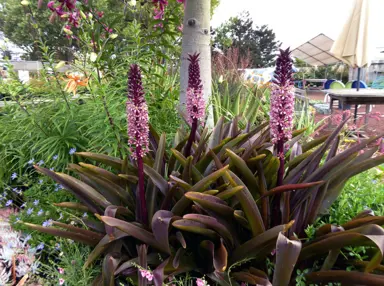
{"points": [[197, 38]]}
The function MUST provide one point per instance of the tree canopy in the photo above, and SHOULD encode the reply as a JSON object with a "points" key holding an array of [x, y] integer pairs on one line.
{"points": [[259, 41]]}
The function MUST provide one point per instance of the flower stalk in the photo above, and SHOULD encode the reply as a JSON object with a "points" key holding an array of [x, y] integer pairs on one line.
{"points": [[195, 100], [138, 131], [282, 107], [282, 110]]}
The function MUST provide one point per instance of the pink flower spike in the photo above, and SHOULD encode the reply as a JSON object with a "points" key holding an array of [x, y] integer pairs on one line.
{"points": [[137, 114], [195, 98], [61, 270], [61, 281]]}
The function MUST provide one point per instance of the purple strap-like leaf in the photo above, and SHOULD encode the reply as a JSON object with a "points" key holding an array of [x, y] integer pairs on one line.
{"points": [[160, 227]]}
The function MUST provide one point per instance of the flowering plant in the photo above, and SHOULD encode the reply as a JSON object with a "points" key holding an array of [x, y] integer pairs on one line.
{"points": [[214, 209]]}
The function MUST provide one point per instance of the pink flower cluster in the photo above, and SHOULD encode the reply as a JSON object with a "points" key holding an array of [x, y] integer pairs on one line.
{"points": [[195, 98], [65, 10], [282, 110], [147, 274], [159, 9], [137, 114]]}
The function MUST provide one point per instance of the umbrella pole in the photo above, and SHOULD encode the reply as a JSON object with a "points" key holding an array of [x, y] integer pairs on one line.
{"points": [[357, 89]]}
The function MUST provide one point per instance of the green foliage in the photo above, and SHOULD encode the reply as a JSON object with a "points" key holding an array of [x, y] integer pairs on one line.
{"points": [[337, 71], [236, 99], [240, 32], [210, 211], [362, 192], [69, 260]]}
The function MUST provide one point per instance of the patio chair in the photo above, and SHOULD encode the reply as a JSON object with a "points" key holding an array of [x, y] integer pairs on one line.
{"points": [[327, 84]]}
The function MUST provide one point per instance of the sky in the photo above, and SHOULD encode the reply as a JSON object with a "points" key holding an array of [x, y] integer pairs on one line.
{"points": [[297, 21]]}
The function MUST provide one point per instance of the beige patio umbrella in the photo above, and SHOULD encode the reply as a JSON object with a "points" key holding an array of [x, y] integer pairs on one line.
{"points": [[354, 45]]}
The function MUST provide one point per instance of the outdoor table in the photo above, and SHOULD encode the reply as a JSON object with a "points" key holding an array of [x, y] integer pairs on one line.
{"points": [[352, 96]]}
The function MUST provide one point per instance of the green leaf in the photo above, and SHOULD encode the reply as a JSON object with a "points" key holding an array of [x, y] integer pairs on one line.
{"points": [[89, 240], [214, 224], [89, 196], [107, 160], [102, 246], [253, 246], [72, 205], [183, 161], [249, 179], [200, 186], [229, 192], [248, 204], [194, 227], [211, 203], [157, 179]]}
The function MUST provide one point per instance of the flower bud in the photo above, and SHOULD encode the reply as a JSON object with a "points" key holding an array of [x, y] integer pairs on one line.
{"points": [[24, 3], [113, 36], [83, 15], [93, 57], [60, 65], [90, 16], [67, 31]]}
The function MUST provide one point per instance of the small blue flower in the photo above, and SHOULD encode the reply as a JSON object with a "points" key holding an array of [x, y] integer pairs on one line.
{"points": [[57, 246], [17, 218], [55, 157], [61, 216], [8, 203], [41, 162], [36, 202], [40, 246], [40, 212], [51, 169], [15, 190], [47, 223], [72, 151], [41, 181], [58, 187], [30, 162], [13, 176], [28, 237], [85, 215], [19, 192], [23, 205], [30, 211]]}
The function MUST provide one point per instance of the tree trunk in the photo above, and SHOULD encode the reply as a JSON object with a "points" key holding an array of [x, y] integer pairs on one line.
{"points": [[197, 38]]}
